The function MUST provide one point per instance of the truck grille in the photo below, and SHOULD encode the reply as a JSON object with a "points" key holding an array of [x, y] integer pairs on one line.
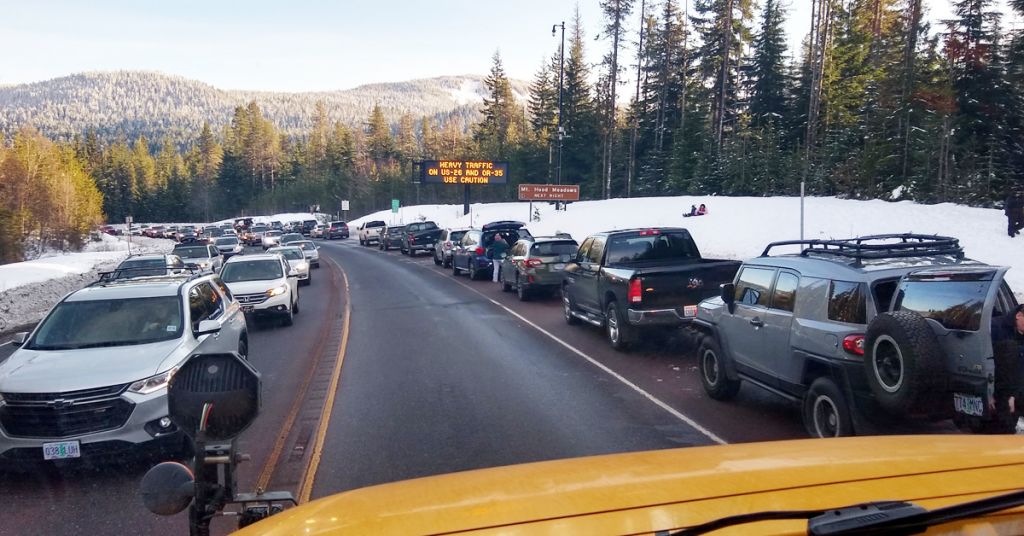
{"points": [[57, 415], [251, 299]]}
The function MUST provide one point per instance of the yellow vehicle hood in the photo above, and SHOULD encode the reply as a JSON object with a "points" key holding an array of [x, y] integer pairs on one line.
{"points": [[644, 492]]}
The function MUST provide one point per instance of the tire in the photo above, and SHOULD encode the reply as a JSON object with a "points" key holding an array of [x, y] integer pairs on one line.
{"points": [[903, 362], [436, 262], [522, 292], [505, 285], [712, 371], [445, 261], [616, 328], [289, 319], [472, 269], [295, 308], [567, 309], [826, 412], [305, 282], [361, 242]]}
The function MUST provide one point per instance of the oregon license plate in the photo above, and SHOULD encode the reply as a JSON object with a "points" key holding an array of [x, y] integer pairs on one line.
{"points": [[247, 309], [968, 405], [61, 450]]}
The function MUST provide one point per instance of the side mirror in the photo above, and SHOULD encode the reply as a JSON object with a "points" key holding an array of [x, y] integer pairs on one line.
{"points": [[728, 294], [207, 327], [19, 338]]}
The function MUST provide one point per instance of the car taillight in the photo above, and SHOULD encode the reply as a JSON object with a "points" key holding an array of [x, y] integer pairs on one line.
{"points": [[532, 263], [635, 294], [650, 232], [479, 250], [854, 344]]}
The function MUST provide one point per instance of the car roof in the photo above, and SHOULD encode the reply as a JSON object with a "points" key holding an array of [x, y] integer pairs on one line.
{"points": [[254, 257], [539, 239], [148, 287]]}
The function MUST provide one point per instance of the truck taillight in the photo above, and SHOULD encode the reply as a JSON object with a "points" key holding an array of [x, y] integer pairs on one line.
{"points": [[532, 263], [479, 250], [635, 294], [650, 232], [854, 344]]}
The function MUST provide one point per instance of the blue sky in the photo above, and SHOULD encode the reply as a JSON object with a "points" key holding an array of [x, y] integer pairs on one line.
{"points": [[299, 45]]}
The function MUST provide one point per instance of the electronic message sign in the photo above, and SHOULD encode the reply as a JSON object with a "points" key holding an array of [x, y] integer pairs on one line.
{"points": [[463, 172]]}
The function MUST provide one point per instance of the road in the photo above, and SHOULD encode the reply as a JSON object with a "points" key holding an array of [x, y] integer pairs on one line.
{"points": [[438, 374]]}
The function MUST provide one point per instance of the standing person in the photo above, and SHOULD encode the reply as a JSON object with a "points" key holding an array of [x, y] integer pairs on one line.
{"points": [[496, 251], [1008, 350], [1014, 210]]}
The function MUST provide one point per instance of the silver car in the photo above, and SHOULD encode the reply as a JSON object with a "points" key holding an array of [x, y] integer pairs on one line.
{"points": [[296, 261], [92, 377], [271, 239], [310, 249]]}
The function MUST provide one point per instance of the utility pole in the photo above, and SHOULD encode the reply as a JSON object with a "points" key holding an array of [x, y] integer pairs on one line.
{"points": [[561, 128]]}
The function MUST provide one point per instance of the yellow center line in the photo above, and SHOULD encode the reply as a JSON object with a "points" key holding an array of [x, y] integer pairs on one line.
{"points": [[309, 477]]}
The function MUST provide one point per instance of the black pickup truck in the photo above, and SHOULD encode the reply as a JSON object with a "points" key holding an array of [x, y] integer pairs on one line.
{"points": [[419, 236], [630, 280]]}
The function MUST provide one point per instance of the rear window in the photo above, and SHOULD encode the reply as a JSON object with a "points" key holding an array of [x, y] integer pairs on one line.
{"points": [[455, 236], [627, 249], [549, 249], [954, 304], [374, 224], [847, 303]]}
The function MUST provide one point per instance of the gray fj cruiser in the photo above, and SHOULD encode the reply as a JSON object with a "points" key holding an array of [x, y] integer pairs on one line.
{"points": [[873, 329]]}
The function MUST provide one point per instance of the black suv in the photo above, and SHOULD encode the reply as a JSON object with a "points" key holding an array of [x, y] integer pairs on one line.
{"points": [[876, 330]]}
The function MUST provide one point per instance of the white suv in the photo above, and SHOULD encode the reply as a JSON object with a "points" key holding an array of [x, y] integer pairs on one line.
{"points": [[92, 377], [264, 285]]}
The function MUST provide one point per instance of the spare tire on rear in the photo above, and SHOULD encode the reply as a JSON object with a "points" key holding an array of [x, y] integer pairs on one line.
{"points": [[903, 363]]}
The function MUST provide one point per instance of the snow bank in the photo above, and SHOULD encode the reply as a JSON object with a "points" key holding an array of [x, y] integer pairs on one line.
{"points": [[740, 227], [29, 289]]}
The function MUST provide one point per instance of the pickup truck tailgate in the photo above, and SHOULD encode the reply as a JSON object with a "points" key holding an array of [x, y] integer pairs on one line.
{"points": [[672, 287]]}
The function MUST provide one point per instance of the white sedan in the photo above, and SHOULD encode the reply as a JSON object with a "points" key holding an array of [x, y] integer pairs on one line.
{"points": [[296, 261], [310, 249]]}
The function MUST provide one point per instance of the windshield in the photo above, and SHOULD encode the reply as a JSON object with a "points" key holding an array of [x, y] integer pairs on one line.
{"points": [[291, 254], [629, 249], [230, 241], [307, 246], [192, 253], [120, 322], [272, 233], [252, 270]]}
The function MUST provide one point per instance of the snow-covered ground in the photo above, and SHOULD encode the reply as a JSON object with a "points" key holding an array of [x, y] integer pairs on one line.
{"points": [[28, 289], [741, 227]]}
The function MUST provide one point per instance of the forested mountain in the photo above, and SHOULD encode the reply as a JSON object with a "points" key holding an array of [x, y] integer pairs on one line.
{"points": [[134, 103]]}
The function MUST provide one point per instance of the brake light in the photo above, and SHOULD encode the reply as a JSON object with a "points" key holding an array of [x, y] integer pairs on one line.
{"points": [[650, 232], [635, 294], [479, 250], [532, 263], [854, 344]]}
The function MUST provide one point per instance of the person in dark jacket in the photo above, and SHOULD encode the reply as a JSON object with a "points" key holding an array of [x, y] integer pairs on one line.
{"points": [[1008, 347], [496, 252], [1014, 210]]}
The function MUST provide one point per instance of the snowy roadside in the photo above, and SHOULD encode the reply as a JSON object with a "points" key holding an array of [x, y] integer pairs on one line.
{"points": [[29, 289], [741, 227]]}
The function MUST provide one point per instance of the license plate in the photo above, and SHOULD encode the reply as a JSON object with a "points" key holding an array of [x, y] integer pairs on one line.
{"points": [[61, 450], [559, 266], [247, 309], [689, 311], [968, 405]]}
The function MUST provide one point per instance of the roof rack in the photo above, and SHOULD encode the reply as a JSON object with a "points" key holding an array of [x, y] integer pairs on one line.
{"points": [[885, 246]]}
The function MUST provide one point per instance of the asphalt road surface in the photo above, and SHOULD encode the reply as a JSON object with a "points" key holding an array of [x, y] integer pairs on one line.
{"points": [[439, 374]]}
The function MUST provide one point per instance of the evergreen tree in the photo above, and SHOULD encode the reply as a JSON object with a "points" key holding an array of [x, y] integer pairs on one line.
{"points": [[615, 13], [496, 130], [768, 81]]}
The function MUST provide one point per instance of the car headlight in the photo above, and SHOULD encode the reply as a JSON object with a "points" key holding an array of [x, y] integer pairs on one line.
{"points": [[278, 290], [204, 265], [153, 383], [301, 265]]}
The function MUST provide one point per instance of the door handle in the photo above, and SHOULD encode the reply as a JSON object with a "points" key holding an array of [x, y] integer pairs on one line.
{"points": [[756, 322]]}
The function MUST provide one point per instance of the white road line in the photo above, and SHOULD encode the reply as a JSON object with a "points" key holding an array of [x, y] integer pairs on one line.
{"points": [[6, 343], [675, 413]]}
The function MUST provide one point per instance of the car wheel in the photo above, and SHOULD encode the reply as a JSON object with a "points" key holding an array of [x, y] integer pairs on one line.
{"points": [[472, 269], [618, 330], [903, 362], [446, 262], [436, 261], [826, 413], [505, 285], [521, 291], [712, 371], [295, 307], [567, 309], [289, 318], [304, 282]]}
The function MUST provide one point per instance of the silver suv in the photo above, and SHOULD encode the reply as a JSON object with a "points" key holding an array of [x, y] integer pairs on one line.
{"points": [[884, 328], [91, 378]]}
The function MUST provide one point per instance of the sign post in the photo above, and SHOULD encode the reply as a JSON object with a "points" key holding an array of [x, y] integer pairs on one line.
{"points": [[344, 209], [128, 220]]}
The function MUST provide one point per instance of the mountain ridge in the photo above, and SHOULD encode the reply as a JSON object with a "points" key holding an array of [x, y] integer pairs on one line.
{"points": [[130, 103]]}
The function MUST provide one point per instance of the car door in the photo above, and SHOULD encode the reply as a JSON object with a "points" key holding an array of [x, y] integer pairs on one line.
{"points": [[742, 329], [572, 274], [778, 325]]}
